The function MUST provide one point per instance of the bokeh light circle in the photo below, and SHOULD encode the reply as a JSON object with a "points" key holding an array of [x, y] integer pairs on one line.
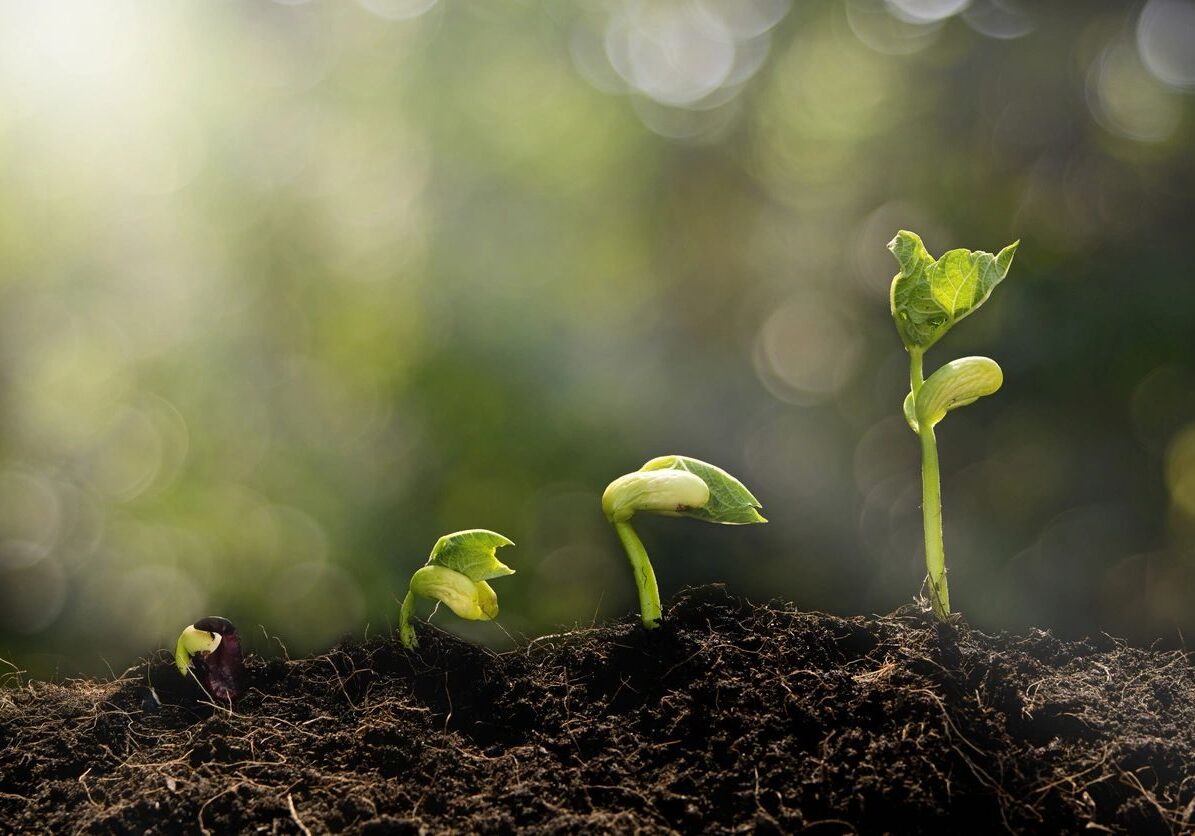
{"points": [[1166, 41]]}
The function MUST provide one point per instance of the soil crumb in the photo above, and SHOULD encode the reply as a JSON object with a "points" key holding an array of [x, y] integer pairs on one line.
{"points": [[730, 717]]}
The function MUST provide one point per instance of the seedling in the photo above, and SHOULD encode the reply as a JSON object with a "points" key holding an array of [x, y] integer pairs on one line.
{"points": [[672, 486], [928, 297], [211, 650], [456, 575]]}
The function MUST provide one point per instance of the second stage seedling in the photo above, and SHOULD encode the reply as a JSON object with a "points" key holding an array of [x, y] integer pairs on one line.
{"points": [[672, 486], [456, 575], [928, 297]]}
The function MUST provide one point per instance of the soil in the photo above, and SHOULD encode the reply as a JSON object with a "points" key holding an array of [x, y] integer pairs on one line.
{"points": [[730, 717]]}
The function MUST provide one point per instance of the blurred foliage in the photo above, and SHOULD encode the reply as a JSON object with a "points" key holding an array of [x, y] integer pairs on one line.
{"points": [[291, 289]]}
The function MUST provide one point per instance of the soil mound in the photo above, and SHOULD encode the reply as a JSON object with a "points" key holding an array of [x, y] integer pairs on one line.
{"points": [[731, 716]]}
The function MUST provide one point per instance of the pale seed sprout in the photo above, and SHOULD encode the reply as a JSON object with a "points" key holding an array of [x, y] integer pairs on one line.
{"points": [[456, 575], [672, 486]]}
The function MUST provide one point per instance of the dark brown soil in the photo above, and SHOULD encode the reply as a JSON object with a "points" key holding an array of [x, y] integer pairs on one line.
{"points": [[729, 717]]}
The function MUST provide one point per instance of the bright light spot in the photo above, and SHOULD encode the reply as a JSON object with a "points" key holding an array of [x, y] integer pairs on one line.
{"points": [[693, 126], [671, 52], [71, 48], [872, 24], [807, 350], [1127, 101], [747, 18], [1166, 40], [678, 54], [398, 9], [588, 51], [1002, 19], [926, 11]]}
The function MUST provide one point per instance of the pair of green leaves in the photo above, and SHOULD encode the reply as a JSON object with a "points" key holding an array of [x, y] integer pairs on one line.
{"points": [[457, 571], [678, 486], [928, 297]]}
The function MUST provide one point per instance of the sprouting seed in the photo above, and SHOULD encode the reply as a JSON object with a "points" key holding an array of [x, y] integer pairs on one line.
{"points": [[456, 575], [672, 486], [211, 649]]}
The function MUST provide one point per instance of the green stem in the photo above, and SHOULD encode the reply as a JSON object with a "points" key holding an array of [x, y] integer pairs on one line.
{"points": [[406, 631], [931, 513], [645, 578], [931, 502]]}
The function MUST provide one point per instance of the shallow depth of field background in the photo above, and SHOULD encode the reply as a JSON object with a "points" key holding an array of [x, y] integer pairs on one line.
{"points": [[287, 290]]}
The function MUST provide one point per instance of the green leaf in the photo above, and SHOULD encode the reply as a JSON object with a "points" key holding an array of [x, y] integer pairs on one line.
{"points": [[730, 502], [958, 383], [962, 280], [928, 297], [919, 319], [472, 554]]}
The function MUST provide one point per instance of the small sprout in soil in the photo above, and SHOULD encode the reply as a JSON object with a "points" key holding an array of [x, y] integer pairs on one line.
{"points": [[672, 486], [456, 575], [928, 297], [211, 649]]}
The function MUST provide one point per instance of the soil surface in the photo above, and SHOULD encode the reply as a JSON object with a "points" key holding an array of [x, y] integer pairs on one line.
{"points": [[729, 717]]}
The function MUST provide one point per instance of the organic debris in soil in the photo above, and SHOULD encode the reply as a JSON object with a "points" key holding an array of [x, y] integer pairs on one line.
{"points": [[729, 717]]}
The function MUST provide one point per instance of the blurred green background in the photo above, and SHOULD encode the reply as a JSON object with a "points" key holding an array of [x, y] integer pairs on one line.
{"points": [[290, 289]]}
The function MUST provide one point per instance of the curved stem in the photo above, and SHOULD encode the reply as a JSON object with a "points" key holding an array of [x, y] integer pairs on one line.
{"points": [[406, 631], [645, 578]]}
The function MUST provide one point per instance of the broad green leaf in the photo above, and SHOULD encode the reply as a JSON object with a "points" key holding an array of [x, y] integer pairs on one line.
{"points": [[958, 383], [928, 297], [472, 554], [729, 502], [962, 280], [462, 595]]}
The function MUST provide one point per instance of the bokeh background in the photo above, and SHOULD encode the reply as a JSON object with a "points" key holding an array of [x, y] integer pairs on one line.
{"points": [[287, 290]]}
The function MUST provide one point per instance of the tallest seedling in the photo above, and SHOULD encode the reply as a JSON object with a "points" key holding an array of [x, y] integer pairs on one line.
{"points": [[928, 297]]}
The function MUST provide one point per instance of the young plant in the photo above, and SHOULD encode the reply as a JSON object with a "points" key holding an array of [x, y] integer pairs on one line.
{"points": [[928, 297], [672, 486], [211, 649], [456, 575]]}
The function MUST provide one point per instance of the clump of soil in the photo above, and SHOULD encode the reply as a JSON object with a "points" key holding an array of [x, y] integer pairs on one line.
{"points": [[731, 716]]}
